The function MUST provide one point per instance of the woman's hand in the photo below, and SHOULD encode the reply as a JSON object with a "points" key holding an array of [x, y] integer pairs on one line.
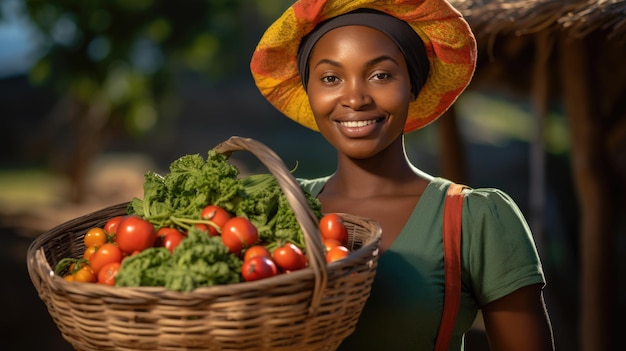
{"points": [[519, 321]]}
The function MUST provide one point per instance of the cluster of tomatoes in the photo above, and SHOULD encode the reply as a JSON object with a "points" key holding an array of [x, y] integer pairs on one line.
{"points": [[106, 247], [123, 236], [259, 262]]}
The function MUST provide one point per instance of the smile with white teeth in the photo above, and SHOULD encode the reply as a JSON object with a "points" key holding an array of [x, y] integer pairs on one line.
{"points": [[357, 124]]}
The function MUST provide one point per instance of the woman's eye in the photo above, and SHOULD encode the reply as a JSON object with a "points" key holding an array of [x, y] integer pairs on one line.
{"points": [[381, 76], [329, 79]]}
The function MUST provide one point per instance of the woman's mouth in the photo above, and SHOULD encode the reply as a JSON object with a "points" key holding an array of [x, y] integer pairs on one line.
{"points": [[358, 124]]}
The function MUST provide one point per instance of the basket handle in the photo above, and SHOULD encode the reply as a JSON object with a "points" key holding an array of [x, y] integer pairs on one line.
{"points": [[298, 202]]}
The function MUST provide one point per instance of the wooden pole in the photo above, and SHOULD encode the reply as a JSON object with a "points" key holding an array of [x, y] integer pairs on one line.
{"points": [[540, 91], [593, 188]]}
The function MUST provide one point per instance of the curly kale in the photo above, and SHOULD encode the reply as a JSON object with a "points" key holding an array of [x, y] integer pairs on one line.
{"points": [[191, 184], [176, 199], [199, 260], [267, 207], [147, 268]]}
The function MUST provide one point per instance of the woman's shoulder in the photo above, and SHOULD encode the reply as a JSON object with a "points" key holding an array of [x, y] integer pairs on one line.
{"points": [[480, 199], [491, 202]]}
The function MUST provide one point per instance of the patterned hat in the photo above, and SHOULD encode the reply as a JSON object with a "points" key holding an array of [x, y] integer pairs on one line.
{"points": [[450, 47]]}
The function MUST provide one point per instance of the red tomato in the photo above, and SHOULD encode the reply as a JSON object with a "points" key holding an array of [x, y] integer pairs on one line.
{"points": [[215, 214], [95, 236], [258, 267], [337, 253], [135, 234], [107, 253], [108, 272], [330, 243], [111, 225], [332, 227], [256, 250], [289, 257], [169, 238], [239, 233], [201, 226]]}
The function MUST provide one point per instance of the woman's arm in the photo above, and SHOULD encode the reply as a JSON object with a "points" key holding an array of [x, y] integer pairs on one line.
{"points": [[519, 321]]}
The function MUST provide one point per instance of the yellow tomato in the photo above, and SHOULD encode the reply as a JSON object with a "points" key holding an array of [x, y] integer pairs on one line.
{"points": [[95, 236], [85, 275]]}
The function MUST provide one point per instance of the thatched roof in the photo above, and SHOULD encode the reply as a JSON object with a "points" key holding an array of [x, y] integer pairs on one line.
{"points": [[512, 33], [577, 17]]}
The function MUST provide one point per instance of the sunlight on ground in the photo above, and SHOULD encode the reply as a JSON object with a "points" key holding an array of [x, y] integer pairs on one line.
{"points": [[36, 199], [27, 187]]}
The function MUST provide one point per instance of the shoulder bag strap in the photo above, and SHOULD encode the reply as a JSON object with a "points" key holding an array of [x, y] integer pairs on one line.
{"points": [[452, 216]]}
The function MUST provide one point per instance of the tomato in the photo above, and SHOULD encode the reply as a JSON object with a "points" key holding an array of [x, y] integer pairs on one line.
{"points": [[330, 243], [332, 227], [239, 233], [107, 253], [95, 236], [336, 253], [85, 275], [135, 234], [70, 278], [289, 257], [89, 251], [215, 214], [111, 225], [108, 272], [256, 250], [169, 238], [258, 267], [201, 226]]}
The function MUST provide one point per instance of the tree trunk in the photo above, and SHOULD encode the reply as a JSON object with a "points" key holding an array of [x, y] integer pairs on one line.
{"points": [[592, 181]]}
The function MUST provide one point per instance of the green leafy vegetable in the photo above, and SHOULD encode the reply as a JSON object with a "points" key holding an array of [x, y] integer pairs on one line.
{"points": [[268, 209], [199, 260], [177, 199]]}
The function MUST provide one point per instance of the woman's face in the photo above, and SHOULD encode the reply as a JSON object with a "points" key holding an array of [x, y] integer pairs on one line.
{"points": [[359, 90]]}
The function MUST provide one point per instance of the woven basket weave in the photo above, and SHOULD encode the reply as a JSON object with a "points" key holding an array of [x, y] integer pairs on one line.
{"points": [[315, 308]]}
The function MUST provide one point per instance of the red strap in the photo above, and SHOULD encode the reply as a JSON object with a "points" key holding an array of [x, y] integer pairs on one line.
{"points": [[452, 216]]}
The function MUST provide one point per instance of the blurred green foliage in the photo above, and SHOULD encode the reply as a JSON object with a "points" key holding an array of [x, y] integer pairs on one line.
{"points": [[123, 55], [115, 64]]}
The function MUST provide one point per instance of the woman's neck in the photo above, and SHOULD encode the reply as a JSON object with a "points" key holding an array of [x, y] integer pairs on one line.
{"points": [[388, 173]]}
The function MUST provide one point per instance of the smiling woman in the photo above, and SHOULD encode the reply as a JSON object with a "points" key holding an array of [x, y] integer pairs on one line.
{"points": [[359, 90], [364, 73]]}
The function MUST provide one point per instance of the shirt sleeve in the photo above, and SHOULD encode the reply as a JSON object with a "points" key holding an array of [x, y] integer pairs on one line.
{"points": [[498, 246]]}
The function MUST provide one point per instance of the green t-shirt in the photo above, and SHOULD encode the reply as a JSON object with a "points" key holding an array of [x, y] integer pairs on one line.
{"points": [[404, 309]]}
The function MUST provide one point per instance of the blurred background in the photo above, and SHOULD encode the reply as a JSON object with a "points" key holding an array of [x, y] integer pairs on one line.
{"points": [[95, 93]]}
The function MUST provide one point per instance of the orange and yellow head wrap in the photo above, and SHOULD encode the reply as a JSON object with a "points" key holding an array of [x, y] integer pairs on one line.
{"points": [[448, 40]]}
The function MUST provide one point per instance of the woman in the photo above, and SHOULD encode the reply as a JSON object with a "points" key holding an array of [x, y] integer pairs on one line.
{"points": [[364, 73]]}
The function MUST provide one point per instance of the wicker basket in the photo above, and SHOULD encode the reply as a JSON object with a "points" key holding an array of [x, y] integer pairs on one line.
{"points": [[311, 309]]}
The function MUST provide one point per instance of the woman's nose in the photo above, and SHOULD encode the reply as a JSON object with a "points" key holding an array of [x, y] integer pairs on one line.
{"points": [[356, 96]]}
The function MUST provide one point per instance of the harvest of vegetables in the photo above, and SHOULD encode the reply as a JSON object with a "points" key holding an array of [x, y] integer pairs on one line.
{"points": [[201, 224]]}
